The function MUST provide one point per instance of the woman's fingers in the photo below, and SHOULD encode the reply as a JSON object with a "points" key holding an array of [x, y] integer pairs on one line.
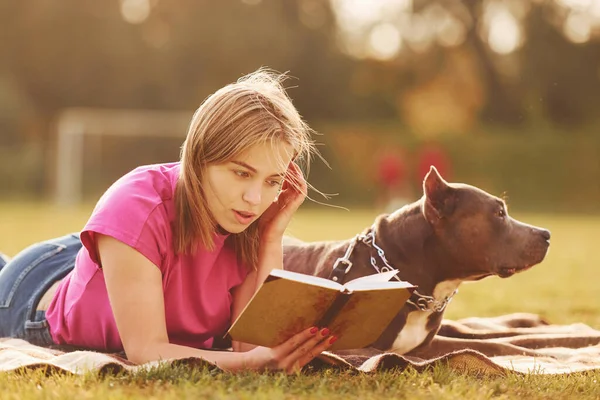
{"points": [[294, 189], [300, 349], [295, 341], [305, 352], [276, 218], [295, 180], [315, 351], [305, 348]]}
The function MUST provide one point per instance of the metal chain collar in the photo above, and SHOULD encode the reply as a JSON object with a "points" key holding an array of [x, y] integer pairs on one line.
{"points": [[422, 302]]}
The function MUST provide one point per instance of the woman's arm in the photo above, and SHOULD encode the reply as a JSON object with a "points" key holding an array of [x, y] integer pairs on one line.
{"points": [[270, 257], [136, 297], [241, 295], [134, 287]]}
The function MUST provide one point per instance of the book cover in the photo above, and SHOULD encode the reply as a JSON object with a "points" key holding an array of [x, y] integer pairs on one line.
{"points": [[288, 303]]}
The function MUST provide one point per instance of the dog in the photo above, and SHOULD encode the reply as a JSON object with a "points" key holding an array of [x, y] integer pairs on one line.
{"points": [[454, 233]]}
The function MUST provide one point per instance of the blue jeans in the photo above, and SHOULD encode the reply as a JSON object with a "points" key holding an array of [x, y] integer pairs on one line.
{"points": [[23, 281]]}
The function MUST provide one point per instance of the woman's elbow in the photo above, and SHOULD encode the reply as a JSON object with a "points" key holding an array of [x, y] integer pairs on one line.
{"points": [[141, 353]]}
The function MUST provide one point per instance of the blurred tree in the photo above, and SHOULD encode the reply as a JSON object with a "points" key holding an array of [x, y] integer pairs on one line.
{"points": [[534, 59], [172, 55], [503, 105], [562, 78]]}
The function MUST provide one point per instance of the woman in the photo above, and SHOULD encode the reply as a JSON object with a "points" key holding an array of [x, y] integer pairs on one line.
{"points": [[173, 252]]}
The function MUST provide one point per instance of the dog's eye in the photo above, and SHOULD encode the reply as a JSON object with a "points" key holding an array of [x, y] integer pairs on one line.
{"points": [[501, 213]]}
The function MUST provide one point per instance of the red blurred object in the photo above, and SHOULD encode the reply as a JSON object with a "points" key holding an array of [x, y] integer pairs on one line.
{"points": [[433, 154], [392, 170]]}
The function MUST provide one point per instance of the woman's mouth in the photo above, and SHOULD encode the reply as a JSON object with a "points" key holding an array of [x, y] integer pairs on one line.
{"points": [[244, 217]]}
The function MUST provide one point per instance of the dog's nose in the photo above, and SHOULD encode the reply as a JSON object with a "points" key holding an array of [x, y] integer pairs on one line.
{"points": [[545, 234]]}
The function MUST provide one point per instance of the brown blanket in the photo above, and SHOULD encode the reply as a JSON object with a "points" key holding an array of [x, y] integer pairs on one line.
{"points": [[551, 349]]}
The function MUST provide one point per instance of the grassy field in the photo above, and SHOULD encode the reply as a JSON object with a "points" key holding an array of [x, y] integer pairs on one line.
{"points": [[564, 289]]}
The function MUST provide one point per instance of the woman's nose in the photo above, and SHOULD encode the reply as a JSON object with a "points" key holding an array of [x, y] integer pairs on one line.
{"points": [[252, 195]]}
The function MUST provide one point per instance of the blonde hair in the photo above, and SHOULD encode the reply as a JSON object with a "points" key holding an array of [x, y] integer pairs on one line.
{"points": [[256, 109]]}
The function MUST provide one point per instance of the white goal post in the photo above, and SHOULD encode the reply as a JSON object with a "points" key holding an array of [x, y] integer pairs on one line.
{"points": [[74, 123]]}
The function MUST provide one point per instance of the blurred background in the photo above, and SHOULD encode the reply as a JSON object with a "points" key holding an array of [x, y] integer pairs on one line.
{"points": [[502, 94]]}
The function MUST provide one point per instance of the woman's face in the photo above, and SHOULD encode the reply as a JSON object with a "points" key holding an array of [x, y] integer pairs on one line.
{"points": [[239, 191]]}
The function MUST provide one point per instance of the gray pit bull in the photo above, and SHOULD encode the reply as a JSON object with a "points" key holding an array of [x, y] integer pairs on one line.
{"points": [[454, 233]]}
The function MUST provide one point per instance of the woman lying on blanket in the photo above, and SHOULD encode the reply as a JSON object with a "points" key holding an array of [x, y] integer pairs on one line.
{"points": [[173, 252]]}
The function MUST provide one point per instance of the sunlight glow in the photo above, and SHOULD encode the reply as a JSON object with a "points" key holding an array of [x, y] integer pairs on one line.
{"points": [[578, 27], [580, 5], [360, 12], [418, 34], [135, 11], [356, 13], [450, 31], [595, 10], [504, 32], [384, 41], [351, 44], [365, 28]]}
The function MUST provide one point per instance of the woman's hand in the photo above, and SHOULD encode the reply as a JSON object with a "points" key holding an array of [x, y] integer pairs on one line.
{"points": [[291, 355], [274, 221]]}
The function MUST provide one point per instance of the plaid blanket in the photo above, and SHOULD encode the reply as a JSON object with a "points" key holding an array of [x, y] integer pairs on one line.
{"points": [[537, 347]]}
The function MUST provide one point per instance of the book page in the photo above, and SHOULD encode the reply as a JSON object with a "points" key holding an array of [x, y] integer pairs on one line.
{"points": [[371, 279], [311, 280], [380, 285]]}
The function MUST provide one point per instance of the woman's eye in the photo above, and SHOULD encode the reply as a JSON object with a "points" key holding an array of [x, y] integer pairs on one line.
{"points": [[242, 174], [274, 183]]}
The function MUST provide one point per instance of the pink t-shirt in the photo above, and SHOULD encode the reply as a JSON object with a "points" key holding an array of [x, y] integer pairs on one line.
{"points": [[138, 210]]}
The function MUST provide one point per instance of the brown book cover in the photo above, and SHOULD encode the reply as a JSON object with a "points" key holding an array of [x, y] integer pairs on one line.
{"points": [[288, 302]]}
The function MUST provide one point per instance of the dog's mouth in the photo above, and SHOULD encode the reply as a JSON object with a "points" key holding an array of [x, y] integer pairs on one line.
{"points": [[505, 272]]}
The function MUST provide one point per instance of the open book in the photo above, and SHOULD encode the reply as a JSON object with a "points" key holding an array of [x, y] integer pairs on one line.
{"points": [[288, 302]]}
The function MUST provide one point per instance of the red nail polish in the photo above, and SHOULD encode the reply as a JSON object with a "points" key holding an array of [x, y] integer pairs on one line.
{"points": [[325, 332], [314, 330], [333, 339]]}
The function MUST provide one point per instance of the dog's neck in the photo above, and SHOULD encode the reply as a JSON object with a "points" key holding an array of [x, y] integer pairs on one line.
{"points": [[411, 247]]}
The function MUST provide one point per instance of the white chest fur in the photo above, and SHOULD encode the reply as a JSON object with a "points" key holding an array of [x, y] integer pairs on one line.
{"points": [[413, 333], [415, 330]]}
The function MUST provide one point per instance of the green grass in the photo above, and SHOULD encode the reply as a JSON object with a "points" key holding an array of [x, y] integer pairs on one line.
{"points": [[564, 289]]}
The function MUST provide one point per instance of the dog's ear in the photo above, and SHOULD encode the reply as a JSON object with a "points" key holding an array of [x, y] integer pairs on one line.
{"points": [[439, 197]]}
